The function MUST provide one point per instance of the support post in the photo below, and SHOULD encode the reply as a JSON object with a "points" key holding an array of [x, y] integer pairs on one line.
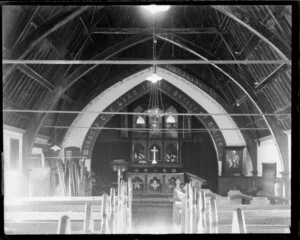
{"points": [[129, 204], [104, 228], [121, 208], [64, 225], [202, 227], [213, 215], [112, 209], [195, 212], [88, 219], [238, 222], [183, 214]]}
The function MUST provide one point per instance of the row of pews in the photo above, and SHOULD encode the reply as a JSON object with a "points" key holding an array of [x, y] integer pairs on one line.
{"points": [[201, 211], [71, 215], [194, 211]]}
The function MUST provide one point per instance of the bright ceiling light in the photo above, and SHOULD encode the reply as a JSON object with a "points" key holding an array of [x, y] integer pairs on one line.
{"points": [[154, 78], [157, 8], [140, 120], [171, 119], [55, 148]]}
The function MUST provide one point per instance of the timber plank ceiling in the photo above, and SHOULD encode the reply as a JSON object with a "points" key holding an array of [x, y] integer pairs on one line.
{"points": [[83, 32]]}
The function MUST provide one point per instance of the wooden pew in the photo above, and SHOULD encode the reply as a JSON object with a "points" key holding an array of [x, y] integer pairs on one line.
{"points": [[212, 213], [239, 198], [105, 214], [194, 211]]}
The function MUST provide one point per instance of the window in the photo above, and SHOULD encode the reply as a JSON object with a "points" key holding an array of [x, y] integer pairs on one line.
{"points": [[14, 153]]}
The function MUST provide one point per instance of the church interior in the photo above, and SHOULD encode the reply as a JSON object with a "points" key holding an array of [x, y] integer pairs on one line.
{"points": [[147, 118]]}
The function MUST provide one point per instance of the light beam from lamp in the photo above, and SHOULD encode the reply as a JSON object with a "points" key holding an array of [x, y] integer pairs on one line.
{"points": [[55, 148]]}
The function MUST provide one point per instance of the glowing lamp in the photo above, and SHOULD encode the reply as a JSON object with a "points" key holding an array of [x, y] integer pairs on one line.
{"points": [[157, 8], [154, 78], [55, 148], [171, 119], [140, 120]]}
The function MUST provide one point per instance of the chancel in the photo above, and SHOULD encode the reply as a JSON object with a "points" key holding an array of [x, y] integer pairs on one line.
{"points": [[147, 118]]}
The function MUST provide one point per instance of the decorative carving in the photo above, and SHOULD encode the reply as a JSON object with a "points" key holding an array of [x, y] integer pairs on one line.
{"points": [[155, 184], [139, 153], [172, 182], [138, 184], [171, 153]]}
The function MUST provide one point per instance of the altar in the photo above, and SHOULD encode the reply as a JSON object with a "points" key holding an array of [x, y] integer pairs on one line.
{"points": [[154, 183], [155, 154]]}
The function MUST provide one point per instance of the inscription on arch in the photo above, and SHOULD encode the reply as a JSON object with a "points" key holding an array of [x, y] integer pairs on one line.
{"points": [[137, 92]]}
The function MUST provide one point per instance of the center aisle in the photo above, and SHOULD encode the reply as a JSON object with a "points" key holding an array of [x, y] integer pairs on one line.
{"points": [[152, 214]]}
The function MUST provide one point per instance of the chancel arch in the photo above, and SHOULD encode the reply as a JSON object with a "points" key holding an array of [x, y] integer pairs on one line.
{"points": [[81, 138]]}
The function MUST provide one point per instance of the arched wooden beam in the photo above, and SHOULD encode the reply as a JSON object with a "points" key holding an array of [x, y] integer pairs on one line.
{"points": [[248, 136], [51, 99], [106, 54], [51, 25], [278, 135], [137, 92], [257, 28]]}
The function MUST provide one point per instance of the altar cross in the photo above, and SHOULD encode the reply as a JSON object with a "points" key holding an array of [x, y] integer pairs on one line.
{"points": [[154, 150]]}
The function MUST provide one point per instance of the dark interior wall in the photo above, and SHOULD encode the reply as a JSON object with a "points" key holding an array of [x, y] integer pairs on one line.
{"points": [[199, 157], [109, 146], [198, 153]]}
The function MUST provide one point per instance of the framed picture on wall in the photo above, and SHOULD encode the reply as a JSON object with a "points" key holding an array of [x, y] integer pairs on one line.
{"points": [[233, 161]]}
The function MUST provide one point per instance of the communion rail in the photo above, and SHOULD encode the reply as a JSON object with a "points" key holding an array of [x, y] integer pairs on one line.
{"points": [[82, 215], [201, 211]]}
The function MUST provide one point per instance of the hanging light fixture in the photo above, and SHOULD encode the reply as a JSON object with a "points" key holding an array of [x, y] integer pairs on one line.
{"points": [[171, 119], [55, 148], [140, 120], [155, 107], [154, 77]]}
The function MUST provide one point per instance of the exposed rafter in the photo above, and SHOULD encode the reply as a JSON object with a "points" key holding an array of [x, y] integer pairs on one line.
{"points": [[41, 80], [276, 131], [257, 28], [27, 25], [252, 43], [44, 30], [35, 76], [67, 82], [187, 30], [218, 38], [282, 68], [144, 62]]}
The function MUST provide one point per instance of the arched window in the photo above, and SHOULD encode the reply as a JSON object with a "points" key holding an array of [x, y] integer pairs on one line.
{"points": [[171, 123], [171, 153], [138, 121], [139, 153]]}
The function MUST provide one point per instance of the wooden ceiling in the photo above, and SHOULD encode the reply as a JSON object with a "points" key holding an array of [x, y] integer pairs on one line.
{"points": [[125, 33]]}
